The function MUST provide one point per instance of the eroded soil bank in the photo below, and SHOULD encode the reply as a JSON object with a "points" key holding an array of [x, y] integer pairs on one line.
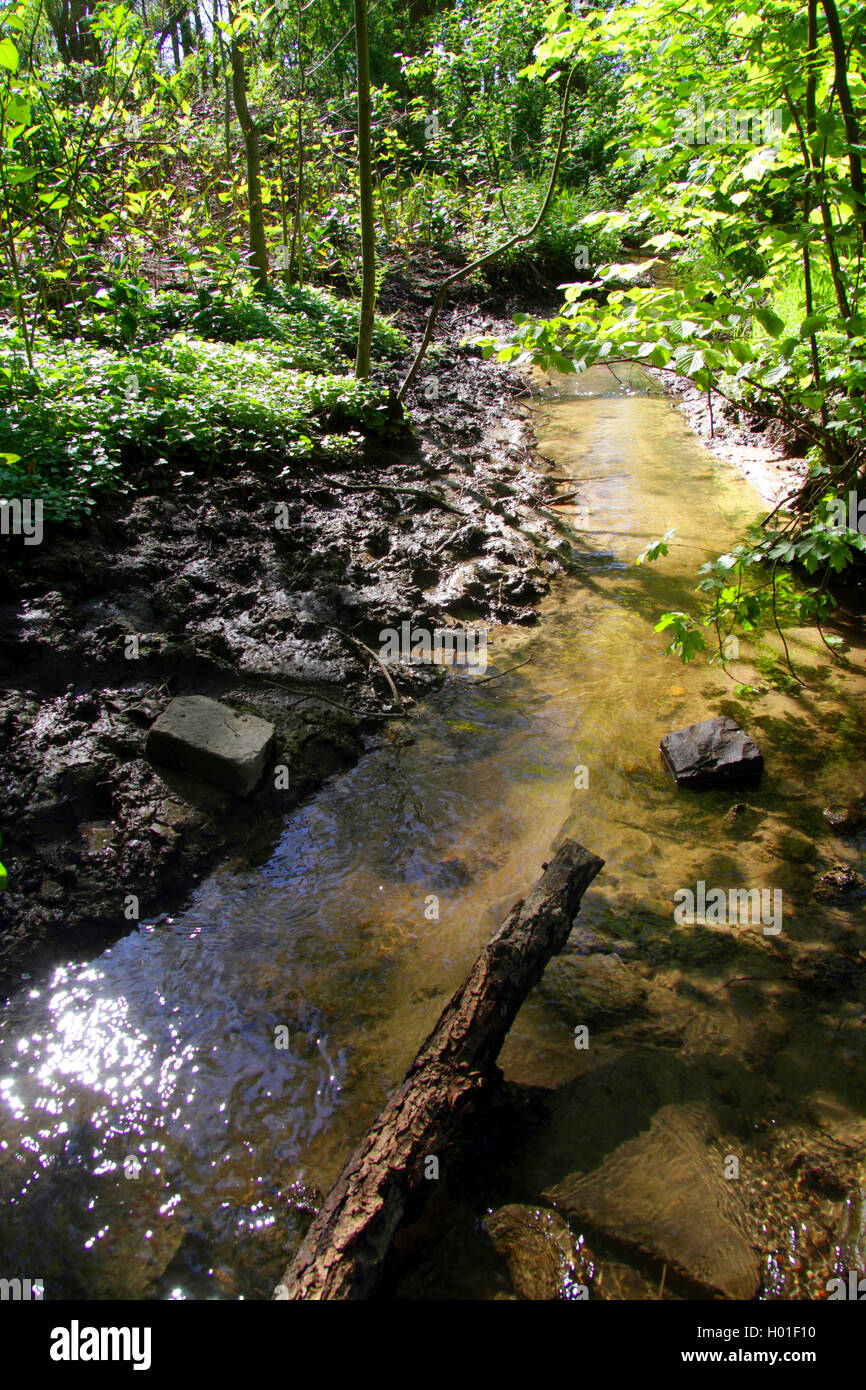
{"points": [[441, 526]]}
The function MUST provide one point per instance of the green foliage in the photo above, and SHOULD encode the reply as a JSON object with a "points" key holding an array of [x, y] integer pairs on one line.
{"points": [[86, 419], [319, 328], [686, 639], [656, 548], [563, 246], [745, 591]]}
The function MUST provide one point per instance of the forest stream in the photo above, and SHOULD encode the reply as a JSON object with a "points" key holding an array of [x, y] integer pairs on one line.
{"points": [[162, 1138]]}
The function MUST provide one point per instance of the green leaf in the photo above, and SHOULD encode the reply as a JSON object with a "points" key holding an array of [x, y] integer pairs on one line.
{"points": [[19, 174], [770, 321], [8, 55]]}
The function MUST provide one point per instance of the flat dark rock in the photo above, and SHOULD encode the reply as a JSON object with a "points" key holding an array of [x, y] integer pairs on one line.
{"points": [[714, 753]]}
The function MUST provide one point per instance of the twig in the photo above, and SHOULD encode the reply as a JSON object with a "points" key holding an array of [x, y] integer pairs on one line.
{"points": [[378, 660], [562, 498], [324, 699], [500, 674], [391, 487], [761, 979], [781, 633], [590, 477]]}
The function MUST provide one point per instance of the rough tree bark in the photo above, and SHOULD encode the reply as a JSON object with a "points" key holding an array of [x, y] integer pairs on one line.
{"points": [[345, 1248]]}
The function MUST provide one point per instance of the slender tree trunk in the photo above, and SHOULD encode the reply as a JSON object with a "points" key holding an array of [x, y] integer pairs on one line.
{"points": [[811, 127], [814, 165], [365, 174], [296, 258], [226, 85], [852, 129], [297, 226], [258, 245], [284, 217]]}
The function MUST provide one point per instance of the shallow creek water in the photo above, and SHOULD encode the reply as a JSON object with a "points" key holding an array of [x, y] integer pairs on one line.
{"points": [[157, 1143]]}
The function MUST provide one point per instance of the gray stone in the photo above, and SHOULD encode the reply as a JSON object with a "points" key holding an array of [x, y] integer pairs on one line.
{"points": [[198, 735], [714, 753], [589, 989], [538, 1249], [664, 1195]]}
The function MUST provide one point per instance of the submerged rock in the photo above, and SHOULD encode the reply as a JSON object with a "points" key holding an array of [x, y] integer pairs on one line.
{"points": [[851, 1236], [840, 885], [741, 821], [664, 1195], [829, 974], [846, 819], [714, 753], [537, 1247], [590, 989], [583, 941], [201, 736], [791, 845]]}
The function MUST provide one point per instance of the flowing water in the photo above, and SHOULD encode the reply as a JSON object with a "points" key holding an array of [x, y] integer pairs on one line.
{"points": [[171, 1109]]}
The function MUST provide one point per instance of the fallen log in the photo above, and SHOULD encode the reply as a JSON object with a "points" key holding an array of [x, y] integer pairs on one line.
{"points": [[344, 1251]]}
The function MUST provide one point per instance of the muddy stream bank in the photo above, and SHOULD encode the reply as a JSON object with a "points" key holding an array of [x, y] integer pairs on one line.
{"points": [[256, 590]]}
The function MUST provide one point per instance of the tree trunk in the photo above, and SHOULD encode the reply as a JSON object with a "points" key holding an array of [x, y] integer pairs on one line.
{"points": [[296, 256], [345, 1248], [846, 104], [258, 245], [365, 175], [186, 37]]}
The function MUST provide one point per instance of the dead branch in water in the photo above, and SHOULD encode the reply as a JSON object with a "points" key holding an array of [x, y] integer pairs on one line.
{"points": [[345, 1249]]}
